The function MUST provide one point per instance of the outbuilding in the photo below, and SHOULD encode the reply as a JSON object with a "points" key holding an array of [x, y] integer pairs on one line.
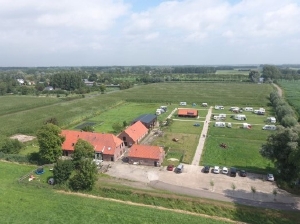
{"points": [[146, 155], [148, 120], [187, 113]]}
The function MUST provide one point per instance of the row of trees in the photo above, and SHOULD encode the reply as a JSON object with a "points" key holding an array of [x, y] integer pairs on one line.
{"points": [[283, 147]]}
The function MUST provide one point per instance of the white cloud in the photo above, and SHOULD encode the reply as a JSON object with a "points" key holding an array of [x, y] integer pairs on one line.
{"points": [[171, 32]]}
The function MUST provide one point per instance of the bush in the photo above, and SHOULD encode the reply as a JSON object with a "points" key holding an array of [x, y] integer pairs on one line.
{"points": [[14, 158], [11, 146]]}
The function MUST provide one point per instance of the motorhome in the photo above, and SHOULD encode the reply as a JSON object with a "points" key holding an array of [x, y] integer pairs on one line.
{"points": [[240, 117], [204, 105], [217, 107], [220, 124], [248, 109], [271, 120], [269, 127], [182, 103]]}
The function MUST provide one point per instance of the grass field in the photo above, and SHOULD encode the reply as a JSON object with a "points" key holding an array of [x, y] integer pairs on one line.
{"points": [[184, 149], [31, 204], [242, 151], [232, 72]]}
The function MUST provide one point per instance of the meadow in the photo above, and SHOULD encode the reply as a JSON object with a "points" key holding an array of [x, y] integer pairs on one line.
{"points": [[242, 150], [291, 90], [25, 203], [188, 137]]}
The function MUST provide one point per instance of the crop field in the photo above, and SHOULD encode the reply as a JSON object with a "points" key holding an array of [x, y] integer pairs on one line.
{"points": [[291, 90], [232, 72], [12, 104], [244, 94], [29, 204], [242, 150], [66, 112]]}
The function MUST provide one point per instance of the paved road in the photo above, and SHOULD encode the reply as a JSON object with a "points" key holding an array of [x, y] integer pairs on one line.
{"points": [[201, 143]]}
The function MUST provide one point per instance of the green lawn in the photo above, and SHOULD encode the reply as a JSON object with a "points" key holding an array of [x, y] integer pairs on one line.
{"points": [[242, 151], [29, 204], [188, 137]]}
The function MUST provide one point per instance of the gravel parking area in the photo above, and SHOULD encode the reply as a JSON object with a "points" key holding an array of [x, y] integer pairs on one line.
{"points": [[194, 179]]}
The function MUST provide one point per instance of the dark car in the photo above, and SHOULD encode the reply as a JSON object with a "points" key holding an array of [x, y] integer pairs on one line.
{"points": [[232, 172], [170, 167], [206, 169], [243, 173]]}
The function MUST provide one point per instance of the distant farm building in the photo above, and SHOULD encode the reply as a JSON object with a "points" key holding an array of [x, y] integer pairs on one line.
{"points": [[187, 113]]}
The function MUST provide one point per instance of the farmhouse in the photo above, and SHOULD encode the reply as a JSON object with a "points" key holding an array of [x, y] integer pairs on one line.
{"points": [[148, 120], [146, 155], [133, 134], [187, 113], [106, 146]]}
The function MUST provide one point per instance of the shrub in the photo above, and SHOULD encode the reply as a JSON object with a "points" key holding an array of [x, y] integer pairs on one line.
{"points": [[62, 171]]}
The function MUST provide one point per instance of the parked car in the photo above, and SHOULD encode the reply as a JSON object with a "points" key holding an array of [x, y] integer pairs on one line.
{"points": [[243, 173], [206, 169], [270, 177], [179, 168], [232, 172], [170, 167], [216, 169], [225, 170]]}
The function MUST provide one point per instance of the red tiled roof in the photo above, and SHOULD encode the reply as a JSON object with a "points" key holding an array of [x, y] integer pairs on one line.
{"points": [[105, 143], [145, 151], [190, 112], [136, 131]]}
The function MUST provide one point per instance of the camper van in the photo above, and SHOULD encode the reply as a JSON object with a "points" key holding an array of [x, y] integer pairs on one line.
{"points": [[271, 120], [222, 115], [269, 127], [217, 107], [179, 168], [204, 104], [229, 125], [182, 103], [248, 109], [220, 124], [165, 108], [240, 117]]}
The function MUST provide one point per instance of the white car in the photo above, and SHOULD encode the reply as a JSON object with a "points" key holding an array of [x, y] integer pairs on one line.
{"points": [[216, 169], [225, 170], [270, 177]]}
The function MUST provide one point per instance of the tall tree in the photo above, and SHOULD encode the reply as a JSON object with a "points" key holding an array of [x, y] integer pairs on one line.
{"points": [[283, 148], [62, 171], [82, 150], [85, 177], [254, 76], [50, 142]]}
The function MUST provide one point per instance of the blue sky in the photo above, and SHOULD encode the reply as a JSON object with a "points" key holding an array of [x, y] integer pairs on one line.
{"points": [[148, 32]]}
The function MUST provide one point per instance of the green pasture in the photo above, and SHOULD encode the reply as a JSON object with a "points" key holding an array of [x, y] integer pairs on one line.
{"points": [[291, 91], [243, 94], [242, 150], [188, 137], [125, 112], [23, 203]]}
